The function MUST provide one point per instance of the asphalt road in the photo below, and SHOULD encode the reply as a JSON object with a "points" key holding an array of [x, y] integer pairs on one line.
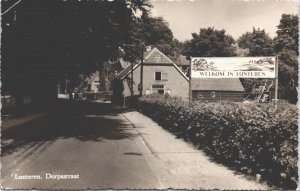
{"points": [[95, 142], [98, 146]]}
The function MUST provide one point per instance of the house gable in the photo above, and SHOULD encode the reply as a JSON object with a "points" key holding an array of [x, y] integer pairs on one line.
{"points": [[157, 57], [154, 57]]}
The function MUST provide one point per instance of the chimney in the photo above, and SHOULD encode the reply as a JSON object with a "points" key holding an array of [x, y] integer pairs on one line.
{"points": [[148, 48]]}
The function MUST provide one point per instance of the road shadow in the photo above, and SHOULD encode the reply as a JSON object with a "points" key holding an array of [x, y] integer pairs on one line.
{"points": [[80, 120]]}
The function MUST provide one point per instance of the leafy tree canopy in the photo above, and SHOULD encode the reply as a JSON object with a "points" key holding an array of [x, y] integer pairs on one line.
{"points": [[287, 33], [45, 41], [286, 46], [257, 42], [210, 42], [148, 31]]}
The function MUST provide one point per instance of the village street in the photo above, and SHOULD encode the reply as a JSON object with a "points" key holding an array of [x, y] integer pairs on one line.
{"points": [[107, 148]]}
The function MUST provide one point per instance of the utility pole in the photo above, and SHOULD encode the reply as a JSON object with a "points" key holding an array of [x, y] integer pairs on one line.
{"points": [[190, 83], [276, 82], [107, 77], [141, 75], [131, 81]]}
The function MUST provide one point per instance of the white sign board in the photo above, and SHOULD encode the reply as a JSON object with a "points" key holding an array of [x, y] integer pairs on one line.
{"points": [[233, 67]]}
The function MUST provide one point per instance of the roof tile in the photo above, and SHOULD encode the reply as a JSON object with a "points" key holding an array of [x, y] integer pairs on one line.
{"points": [[157, 57], [217, 84]]}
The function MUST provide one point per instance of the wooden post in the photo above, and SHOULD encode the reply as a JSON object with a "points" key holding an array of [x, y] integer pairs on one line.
{"points": [[131, 82], [190, 83], [141, 75], [276, 82]]}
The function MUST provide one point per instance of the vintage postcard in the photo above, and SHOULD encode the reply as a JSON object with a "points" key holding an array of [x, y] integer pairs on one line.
{"points": [[153, 94]]}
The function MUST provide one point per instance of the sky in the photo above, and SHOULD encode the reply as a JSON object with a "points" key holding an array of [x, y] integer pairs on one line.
{"points": [[235, 16]]}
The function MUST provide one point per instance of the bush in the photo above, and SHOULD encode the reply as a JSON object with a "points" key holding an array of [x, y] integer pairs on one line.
{"points": [[118, 88], [253, 138], [131, 101]]}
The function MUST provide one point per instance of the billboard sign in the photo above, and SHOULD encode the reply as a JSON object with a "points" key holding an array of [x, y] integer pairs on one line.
{"points": [[233, 67]]}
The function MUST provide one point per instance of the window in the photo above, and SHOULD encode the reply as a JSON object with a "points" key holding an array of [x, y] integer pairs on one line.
{"points": [[96, 82], [157, 86], [161, 76], [158, 89], [164, 76], [157, 75], [161, 91], [213, 94]]}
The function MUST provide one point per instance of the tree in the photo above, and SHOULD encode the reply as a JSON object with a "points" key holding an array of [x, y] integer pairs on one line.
{"points": [[148, 31], [286, 46], [158, 33], [240, 52], [257, 42], [287, 33], [210, 42], [47, 41]]}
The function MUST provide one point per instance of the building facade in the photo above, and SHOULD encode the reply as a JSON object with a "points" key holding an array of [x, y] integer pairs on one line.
{"points": [[160, 75], [217, 89]]}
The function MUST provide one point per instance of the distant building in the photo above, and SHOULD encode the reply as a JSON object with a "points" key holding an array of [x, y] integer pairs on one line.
{"points": [[93, 82], [90, 84], [121, 65], [217, 89], [160, 75], [183, 63]]}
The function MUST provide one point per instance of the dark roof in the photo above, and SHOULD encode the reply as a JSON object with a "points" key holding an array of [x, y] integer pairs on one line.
{"points": [[157, 57], [93, 77], [217, 84], [182, 61], [123, 63], [146, 53], [124, 72], [153, 56]]}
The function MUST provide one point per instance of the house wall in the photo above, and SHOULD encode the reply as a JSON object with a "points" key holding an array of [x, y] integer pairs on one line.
{"points": [[199, 95], [176, 83], [94, 86]]}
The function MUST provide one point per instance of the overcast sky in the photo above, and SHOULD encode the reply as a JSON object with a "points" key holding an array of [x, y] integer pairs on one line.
{"points": [[235, 16]]}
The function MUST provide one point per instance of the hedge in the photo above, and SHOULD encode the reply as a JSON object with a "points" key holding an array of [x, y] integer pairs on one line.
{"points": [[252, 138]]}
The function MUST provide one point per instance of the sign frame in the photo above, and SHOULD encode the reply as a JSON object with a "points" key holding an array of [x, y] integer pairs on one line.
{"points": [[275, 78]]}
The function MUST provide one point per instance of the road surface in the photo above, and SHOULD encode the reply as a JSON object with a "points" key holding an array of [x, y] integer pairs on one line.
{"points": [[96, 146]]}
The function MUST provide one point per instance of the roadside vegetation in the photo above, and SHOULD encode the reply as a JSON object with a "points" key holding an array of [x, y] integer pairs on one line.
{"points": [[256, 139]]}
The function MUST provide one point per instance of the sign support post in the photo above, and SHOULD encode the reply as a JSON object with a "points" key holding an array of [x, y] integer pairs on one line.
{"points": [[190, 83], [276, 82], [131, 81], [141, 74]]}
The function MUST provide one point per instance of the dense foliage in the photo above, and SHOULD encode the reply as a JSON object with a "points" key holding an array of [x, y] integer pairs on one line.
{"points": [[287, 47], [257, 42], [147, 31], [255, 139], [47, 41], [210, 42]]}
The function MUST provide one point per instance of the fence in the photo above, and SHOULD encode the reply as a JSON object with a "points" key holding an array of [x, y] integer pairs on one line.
{"points": [[9, 101]]}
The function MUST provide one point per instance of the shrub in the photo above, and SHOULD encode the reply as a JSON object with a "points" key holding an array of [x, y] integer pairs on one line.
{"points": [[253, 138]]}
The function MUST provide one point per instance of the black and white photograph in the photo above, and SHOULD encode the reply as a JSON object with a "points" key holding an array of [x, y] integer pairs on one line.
{"points": [[149, 94]]}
